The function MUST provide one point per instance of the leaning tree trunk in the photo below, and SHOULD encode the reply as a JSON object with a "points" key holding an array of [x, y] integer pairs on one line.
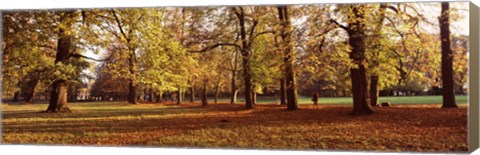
{"points": [[59, 91], [357, 55], [447, 59], [31, 92], [290, 80]]}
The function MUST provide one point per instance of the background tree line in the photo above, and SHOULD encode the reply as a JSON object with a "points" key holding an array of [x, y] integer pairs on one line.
{"points": [[283, 52]]}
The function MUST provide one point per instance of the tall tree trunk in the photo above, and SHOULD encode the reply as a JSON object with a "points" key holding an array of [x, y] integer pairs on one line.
{"points": [[245, 50], [217, 91], [132, 92], [357, 55], [290, 79], [132, 86], [374, 78], [283, 92], [233, 96], [204, 93], [179, 95], [59, 91], [447, 59], [192, 92]]}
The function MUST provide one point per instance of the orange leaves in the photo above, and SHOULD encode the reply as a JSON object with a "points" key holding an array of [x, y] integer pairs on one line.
{"points": [[398, 128]]}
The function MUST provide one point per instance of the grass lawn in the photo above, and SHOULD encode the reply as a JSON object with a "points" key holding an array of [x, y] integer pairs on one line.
{"points": [[348, 100], [405, 127]]}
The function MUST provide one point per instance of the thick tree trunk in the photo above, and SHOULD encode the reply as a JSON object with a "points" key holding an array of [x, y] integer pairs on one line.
{"points": [[247, 75], [290, 79], [132, 92], [59, 91], [357, 55], [204, 93], [448, 84], [283, 92], [58, 97]]}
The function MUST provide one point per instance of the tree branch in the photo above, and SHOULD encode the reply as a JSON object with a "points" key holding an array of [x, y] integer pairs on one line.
{"points": [[76, 55], [119, 24], [215, 46], [262, 33], [340, 25]]}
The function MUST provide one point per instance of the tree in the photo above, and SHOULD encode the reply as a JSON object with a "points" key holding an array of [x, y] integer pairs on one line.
{"points": [[448, 84], [356, 32], [58, 96], [290, 80]]}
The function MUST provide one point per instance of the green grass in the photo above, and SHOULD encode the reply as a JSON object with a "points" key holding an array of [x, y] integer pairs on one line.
{"points": [[461, 99]]}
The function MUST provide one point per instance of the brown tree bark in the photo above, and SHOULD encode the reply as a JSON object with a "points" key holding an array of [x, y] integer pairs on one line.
{"points": [[356, 40], [217, 91], [358, 74], [375, 77], [245, 51], [290, 79], [31, 92], [192, 92], [204, 93], [448, 84], [132, 87], [59, 91], [283, 92]]}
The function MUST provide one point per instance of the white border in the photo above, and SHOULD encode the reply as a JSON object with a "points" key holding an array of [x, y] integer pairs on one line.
{"points": [[74, 150]]}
